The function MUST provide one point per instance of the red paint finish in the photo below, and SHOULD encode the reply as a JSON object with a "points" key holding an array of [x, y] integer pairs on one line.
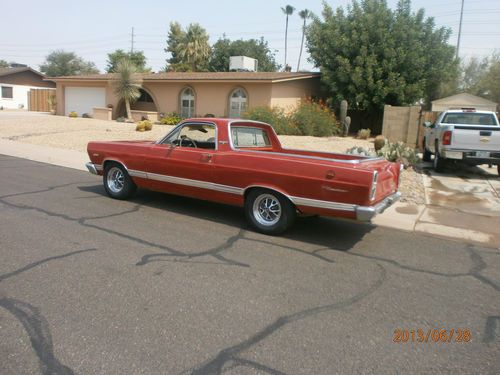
{"points": [[226, 174]]}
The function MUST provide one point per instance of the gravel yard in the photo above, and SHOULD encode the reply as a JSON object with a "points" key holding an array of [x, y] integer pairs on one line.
{"points": [[75, 133]]}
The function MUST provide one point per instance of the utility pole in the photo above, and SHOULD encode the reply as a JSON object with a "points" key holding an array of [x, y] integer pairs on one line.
{"points": [[460, 28], [132, 42]]}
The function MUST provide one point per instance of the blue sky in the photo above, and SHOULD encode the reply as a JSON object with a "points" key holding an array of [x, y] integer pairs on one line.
{"points": [[94, 28]]}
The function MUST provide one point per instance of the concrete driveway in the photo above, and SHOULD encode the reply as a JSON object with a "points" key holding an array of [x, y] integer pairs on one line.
{"points": [[464, 203]]}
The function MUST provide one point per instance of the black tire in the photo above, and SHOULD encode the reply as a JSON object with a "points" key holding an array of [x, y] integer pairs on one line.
{"points": [[438, 161], [426, 154], [269, 212], [117, 182]]}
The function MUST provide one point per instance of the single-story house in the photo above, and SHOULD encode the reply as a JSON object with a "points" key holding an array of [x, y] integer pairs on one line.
{"points": [[16, 84], [222, 94], [463, 100]]}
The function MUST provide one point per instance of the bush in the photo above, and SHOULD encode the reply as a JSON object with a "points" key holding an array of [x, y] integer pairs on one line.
{"points": [[315, 118], [73, 114], [86, 115], [273, 116], [144, 125], [120, 119], [379, 142], [170, 119], [399, 152], [364, 133]]}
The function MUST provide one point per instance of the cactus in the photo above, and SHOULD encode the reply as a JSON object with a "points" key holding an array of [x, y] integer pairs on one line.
{"points": [[345, 121], [379, 142]]}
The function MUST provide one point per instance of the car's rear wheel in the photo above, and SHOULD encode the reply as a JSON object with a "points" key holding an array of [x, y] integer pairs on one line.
{"points": [[438, 161], [117, 181], [268, 211]]}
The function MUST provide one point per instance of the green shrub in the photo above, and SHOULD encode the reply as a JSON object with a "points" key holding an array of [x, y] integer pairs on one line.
{"points": [[144, 125], [170, 119], [364, 133], [273, 116], [399, 152], [73, 114], [120, 119], [315, 118]]}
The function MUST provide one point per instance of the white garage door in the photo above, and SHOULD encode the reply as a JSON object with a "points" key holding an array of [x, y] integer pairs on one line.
{"points": [[84, 99]]}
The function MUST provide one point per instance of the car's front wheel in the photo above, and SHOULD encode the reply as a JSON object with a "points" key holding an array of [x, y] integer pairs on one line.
{"points": [[268, 211], [117, 181]]}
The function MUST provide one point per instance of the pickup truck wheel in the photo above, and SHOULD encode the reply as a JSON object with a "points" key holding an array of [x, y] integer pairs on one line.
{"points": [[269, 212], [438, 161], [117, 181], [426, 154]]}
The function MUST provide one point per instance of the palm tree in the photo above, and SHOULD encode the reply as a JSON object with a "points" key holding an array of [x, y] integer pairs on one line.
{"points": [[127, 84], [288, 11], [194, 49], [304, 14]]}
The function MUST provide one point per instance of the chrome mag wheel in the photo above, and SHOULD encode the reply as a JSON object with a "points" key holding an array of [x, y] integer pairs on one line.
{"points": [[115, 180], [267, 209]]}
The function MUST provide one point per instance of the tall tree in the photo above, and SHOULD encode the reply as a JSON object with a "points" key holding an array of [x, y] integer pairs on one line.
{"points": [[224, 48], [4, 64], [288, 11], [482, 77], [304, 14], [371, 55], [127, 84], [137, 58], [61, 63], [189, 49]]}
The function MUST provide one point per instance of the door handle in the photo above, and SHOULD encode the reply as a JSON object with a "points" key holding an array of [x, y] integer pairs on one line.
{"points": [[206, 157]]}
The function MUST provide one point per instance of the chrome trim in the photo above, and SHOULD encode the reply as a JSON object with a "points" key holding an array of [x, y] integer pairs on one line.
{"points": [[188, 182], [93, 168], [373, 188], [299, 201], [366, 213]]}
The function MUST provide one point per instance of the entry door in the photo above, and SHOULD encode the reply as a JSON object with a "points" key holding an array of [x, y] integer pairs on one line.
{"points": [[183, 163]]}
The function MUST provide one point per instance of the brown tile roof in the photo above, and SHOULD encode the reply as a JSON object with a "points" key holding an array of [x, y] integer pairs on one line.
{"points": [[202, 76], [8, 71]]}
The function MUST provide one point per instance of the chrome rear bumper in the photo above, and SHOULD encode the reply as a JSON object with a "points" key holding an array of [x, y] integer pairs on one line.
{"points": [[366, 213]]}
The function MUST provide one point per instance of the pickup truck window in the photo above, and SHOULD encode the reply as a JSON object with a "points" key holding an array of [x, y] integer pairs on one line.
{"points": [[249, 137], [193, 135], [469, 119]]}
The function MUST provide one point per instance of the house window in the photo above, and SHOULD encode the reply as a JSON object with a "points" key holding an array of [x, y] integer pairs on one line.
{"points": [[237, 103], [187, 103], [7, 92], [145, 97]]}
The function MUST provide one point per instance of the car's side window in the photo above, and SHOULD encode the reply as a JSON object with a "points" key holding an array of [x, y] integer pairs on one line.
{"points": [[194, 136], [249, 137]]}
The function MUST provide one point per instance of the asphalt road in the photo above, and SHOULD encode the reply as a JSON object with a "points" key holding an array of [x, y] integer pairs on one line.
{"points": [[169, 285]]}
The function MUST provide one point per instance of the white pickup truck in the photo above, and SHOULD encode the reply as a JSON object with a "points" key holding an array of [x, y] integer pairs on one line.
{"points": [[465, 135]]}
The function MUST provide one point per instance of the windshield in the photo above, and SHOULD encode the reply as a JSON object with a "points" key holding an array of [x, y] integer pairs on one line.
{"points": [[470, 118]]}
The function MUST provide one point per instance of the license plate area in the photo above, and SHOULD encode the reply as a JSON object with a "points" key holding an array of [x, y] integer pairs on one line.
{"points": [[453, 155], [482, 154]]}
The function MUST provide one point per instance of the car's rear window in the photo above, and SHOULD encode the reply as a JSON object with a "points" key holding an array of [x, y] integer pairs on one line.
{"points": [[249, 137], [470, 118]]}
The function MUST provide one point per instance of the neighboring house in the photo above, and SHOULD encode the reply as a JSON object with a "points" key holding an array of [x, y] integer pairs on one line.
{"points": [[222, 94], [463, 100], [16, 84]]}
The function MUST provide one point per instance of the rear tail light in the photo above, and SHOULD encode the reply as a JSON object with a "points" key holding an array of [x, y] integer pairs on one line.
{"points": [[447, 138], [374, 185]]}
